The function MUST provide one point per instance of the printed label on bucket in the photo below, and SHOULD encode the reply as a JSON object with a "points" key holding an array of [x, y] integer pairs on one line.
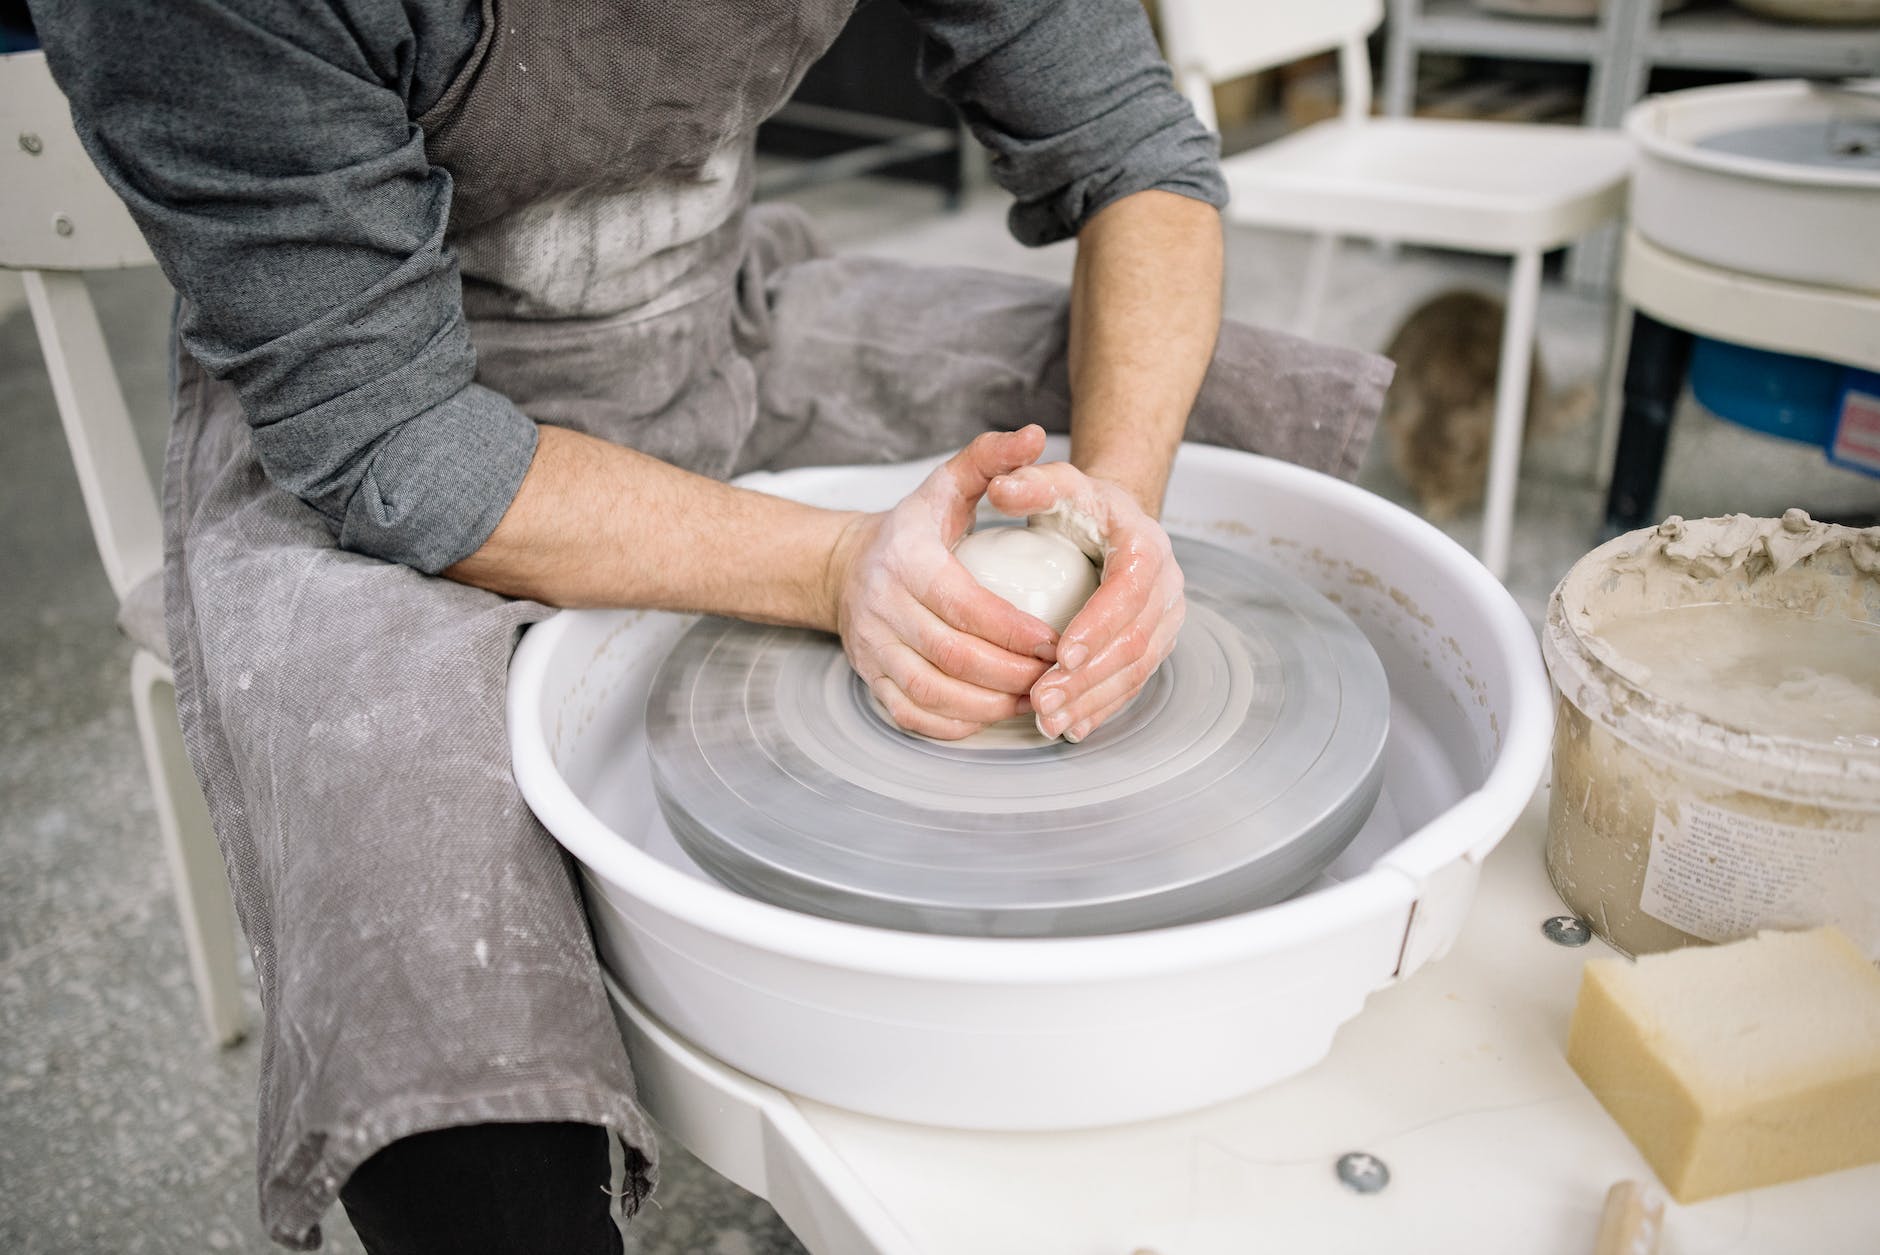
{"points": [[1721, 875], [1856, 439]]}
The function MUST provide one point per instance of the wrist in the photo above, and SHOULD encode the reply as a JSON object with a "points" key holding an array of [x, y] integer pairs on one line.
{"points": [[1145, 485], [850, 530], [1128, 447]]}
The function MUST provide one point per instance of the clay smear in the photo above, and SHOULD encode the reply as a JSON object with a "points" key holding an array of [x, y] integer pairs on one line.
{"points": [[1757, 669]]}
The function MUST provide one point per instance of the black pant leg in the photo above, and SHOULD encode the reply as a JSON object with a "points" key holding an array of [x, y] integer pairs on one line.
{"points": [[487, 1189]]}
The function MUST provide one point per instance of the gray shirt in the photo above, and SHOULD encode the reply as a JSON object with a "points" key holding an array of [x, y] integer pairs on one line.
{"points": [[271, 156]]}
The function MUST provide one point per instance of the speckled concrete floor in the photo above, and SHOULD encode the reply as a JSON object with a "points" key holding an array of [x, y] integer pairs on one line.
{"points": [[120, 1130]]}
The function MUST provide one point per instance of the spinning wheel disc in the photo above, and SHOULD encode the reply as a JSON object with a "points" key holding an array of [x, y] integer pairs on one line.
{"points": [[1249, 760]]}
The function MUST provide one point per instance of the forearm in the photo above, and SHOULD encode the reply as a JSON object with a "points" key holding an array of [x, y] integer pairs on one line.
{"points": [[597, 524], [1145, 313]]}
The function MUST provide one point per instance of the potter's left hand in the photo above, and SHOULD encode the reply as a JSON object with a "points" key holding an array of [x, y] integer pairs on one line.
{"points": [[1129, 624]]}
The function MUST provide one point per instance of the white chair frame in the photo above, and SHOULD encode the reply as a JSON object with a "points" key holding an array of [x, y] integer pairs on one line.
{"points": [[58, 219], [1212, 40]]}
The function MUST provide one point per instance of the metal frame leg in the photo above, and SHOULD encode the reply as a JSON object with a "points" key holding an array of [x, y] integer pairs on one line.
{"points": [[1619, 74], [1611, 392], [1655, 368], [1400, 59], [1511, 404]]}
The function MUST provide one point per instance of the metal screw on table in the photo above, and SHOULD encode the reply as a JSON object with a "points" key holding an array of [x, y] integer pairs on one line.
{"points": [[62, 224], [1567, 930], [30, 142], [1363, 1172]]}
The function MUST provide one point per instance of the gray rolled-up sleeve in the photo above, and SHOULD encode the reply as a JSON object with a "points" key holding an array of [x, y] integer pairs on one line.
{"points": [[1073, 100], [268, 154]]}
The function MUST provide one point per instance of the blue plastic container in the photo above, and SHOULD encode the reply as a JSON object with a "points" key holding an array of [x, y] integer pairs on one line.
{"points": [[1778, 393]]}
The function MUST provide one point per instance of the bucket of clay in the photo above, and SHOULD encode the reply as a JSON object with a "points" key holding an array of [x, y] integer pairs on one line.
{"points": [[1717, 752]]}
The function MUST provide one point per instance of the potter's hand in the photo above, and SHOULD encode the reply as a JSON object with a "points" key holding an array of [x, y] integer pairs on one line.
{"points": [[942, 655], [1129, 624]]}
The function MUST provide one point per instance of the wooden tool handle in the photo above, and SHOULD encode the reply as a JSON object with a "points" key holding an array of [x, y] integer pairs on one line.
{"points": [[1633, 1220]]}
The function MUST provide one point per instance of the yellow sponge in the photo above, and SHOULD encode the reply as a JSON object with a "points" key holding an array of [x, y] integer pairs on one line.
{"points": [[1739, 1065]]}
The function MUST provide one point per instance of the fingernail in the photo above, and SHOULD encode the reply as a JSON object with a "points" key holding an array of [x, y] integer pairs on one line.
{"points": [[1051, 725], [1046, 652], [1077, 733], [1072, 657], [1052, 700], [1024, 705]]}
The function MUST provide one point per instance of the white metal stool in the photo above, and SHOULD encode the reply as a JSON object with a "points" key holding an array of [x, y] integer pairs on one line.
{"points": [[58, 219], [1479, 187]]}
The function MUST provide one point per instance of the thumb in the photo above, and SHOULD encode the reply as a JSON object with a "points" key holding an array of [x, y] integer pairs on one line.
{"points": [[1025, 491], [996, 453]]}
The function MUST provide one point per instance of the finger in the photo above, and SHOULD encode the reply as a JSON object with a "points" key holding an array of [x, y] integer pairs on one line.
{"points": [[927, 687], [1082, 729], [1151, 634], [962, 603], [911, 718], [1114, 677], [968, 656], [1130, 576], [1033, 489], [989, 456], [1062, 698]]}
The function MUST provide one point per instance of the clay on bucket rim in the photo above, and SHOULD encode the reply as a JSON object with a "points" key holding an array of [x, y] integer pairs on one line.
{"points": [[1789, 563]]}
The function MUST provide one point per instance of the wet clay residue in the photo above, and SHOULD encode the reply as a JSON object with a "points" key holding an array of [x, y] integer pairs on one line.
{"points": [[1717, 759], [1709, 548], [1811, 677], [1604, 634]]}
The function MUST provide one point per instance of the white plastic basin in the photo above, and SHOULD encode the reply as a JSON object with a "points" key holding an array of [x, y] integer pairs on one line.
{"points": [[1059, 1034], [1778, 219]]}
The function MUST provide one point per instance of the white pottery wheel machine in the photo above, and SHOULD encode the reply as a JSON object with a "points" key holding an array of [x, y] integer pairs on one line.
{"points": [[899, 953]]}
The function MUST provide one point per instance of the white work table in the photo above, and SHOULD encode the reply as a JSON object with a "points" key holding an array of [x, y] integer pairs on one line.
{"points": [[1456, 1079]]}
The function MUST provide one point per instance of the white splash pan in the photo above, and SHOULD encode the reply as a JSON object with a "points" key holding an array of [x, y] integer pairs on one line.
{"points": [[1777, 219], [1070, 1033]]}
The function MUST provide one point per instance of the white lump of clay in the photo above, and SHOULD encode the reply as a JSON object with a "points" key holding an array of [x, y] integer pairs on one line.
{"points": [[1039, 570]]}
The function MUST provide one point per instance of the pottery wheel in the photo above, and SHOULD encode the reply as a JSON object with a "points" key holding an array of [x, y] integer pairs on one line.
{"points": [[1248, 761]]}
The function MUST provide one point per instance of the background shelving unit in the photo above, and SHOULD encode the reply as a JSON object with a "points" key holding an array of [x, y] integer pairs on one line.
{"points": [[1630, 39]]}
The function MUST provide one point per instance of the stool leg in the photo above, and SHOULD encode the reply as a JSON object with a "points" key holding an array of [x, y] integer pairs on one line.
{"points": [[1655, 366], [1511, 403], [197, 876], [1318, 279], [1611, 392]]}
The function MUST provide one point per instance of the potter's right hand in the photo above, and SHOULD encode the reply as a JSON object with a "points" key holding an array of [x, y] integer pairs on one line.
{"points": [[944, 656]]}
